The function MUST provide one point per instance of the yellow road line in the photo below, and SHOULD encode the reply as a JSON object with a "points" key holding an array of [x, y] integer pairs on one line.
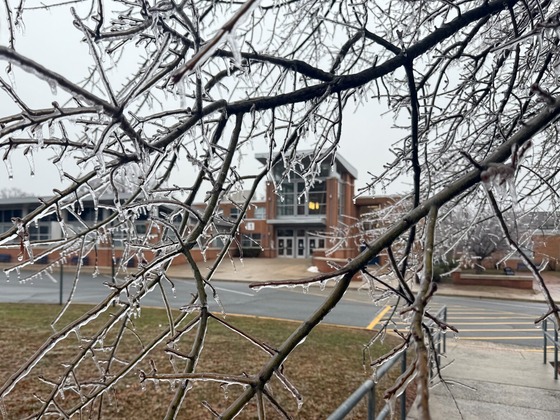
{"points": [[376, 320]]}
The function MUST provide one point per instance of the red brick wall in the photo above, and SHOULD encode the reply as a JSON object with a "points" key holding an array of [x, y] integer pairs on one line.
{"points": [[332, 202], [547, 247]]}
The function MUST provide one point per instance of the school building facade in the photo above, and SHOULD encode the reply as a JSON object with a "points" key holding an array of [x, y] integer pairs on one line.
{"points": [[296, 219]]}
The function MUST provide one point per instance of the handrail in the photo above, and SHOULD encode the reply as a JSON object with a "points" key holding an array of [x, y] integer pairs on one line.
{"points": [[554, 339], [368, 387]]}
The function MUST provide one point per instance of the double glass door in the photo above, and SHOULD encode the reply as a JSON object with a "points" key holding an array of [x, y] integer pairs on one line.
{"points": [[285, 247], [297, 243]]}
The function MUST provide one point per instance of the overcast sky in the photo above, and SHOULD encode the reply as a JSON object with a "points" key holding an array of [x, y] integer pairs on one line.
{"points": [[367, 133]]}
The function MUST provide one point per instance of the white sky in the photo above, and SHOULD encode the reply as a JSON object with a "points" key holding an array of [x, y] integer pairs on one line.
{"points": [[367, 133]]}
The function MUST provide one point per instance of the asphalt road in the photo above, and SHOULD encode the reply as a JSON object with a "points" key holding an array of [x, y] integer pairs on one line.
{"points": [[236, 297], [510, 322]]}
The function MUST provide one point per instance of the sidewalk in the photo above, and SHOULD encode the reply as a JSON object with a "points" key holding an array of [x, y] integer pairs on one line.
{"points": [[489, 381]]}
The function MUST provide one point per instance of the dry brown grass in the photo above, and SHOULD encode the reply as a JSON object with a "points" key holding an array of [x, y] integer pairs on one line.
{"points": [[326, 369]]}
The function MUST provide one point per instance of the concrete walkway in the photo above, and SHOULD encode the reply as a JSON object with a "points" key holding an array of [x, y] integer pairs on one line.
{"points": [[484, 380], [489, 381]]}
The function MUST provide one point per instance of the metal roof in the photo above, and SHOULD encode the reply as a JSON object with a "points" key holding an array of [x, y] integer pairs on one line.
{"points": [[345, 165]]}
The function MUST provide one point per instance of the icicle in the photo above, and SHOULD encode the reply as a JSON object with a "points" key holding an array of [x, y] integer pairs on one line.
{"points": [[38, 133], [52, 85], [60, 169], [9, 168], [28, 249], [235, 50], [50, 126], [181, 93], [11, 76], [219, 302], [29, 156]]}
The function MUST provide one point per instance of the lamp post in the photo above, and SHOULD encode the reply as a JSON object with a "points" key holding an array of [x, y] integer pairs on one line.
{"points": [[61, 282]]}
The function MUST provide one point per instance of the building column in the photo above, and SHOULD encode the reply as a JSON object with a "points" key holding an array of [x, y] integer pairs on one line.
{"points": [[332, 203], [270, 199]]}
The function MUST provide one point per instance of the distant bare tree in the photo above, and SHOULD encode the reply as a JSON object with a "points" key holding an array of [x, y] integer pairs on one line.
{"points": [[191, 83], [471, 235], [486, 240], [13, 192]]}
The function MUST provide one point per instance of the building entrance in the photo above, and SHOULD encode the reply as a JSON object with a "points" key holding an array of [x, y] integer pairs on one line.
{"points": [[297, 243]]}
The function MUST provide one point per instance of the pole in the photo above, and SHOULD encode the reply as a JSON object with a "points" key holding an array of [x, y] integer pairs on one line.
{"points": [[544, 339], [403, 396], [112, 259], [555, 351], [61, 283]]}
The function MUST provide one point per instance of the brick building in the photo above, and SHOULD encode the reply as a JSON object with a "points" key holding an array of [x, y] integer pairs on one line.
{"points": [[296, 219]]}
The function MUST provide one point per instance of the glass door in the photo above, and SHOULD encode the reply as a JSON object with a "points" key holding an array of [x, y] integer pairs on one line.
{"points": [[289, 250], [281, 246], [301, 247], [313, 243]]}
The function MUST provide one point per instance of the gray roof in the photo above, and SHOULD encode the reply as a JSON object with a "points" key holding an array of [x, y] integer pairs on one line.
{"points": [[18, 201], [344, 164]]}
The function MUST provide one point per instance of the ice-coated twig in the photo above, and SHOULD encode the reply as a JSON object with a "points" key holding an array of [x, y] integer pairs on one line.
{"points": [[198, 376], [225, 33], [42, 72], [263, 346], [93, 51]]}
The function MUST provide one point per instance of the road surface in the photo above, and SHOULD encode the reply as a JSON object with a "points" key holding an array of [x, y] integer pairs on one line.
{"points": [[510, 322]]}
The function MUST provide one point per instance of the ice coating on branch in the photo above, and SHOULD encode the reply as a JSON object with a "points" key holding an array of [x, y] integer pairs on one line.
{"points": [[235, 50], [52, 85], [38, 134], [9, 168], [60, 170], [29, 156], [181, 93], [50, 127]]}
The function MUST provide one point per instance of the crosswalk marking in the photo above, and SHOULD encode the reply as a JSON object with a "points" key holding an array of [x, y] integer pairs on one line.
{"points": [[498, 330], [494, 338], [488, 325], [467, 313], [451, 315]]}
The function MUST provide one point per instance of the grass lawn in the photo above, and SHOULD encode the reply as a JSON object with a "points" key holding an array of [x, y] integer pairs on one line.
{"points": [[326, 368]]}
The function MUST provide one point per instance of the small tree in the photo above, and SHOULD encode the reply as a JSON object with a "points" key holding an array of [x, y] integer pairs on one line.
{"points": [[473, 235]]}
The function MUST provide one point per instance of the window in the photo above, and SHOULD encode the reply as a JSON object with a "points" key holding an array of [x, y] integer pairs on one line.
{"points": [[286, 200], [260, 213], [6, 215], [251, 240], [141, 228], [234, 213], [217, 242], [293, 200], [88, 214], [39, 233], [6, 218]]}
